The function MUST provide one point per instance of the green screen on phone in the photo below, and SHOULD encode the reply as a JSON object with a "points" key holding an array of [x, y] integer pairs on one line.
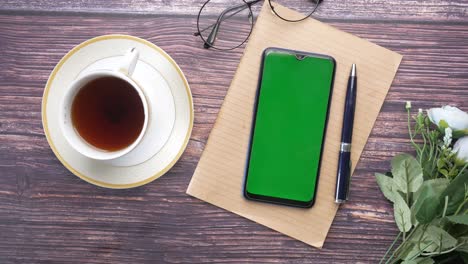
{"points": [[289, 127]]}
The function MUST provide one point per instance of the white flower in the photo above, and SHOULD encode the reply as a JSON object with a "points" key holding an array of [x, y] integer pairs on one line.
{"points": [[450, 116], [448, 137], [461, 148]]}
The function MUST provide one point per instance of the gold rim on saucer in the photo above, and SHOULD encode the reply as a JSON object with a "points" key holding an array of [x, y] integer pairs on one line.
{"points": [[46, 126]]}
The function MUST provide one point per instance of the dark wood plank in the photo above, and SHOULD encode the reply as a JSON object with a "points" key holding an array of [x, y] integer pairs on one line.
{"points": [[431, 10], [48, 215]]}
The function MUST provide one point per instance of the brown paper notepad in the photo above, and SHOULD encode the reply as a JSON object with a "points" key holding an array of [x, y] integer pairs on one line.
{"points": [[218, 178]]}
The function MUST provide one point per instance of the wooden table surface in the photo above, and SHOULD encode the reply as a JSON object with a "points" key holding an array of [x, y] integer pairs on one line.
{"points": [[47, 215]]}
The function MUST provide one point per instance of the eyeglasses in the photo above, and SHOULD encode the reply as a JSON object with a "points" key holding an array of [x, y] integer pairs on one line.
{"points": [[227, 28]]}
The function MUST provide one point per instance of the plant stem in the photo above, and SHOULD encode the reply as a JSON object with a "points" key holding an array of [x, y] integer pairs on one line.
{"points": [[445, 206], [390, 248], [400, 246], [462, 170], [424, 148], [434, 161], [418, 149], [461, 206], [393, 253], [407, 197], [442, 252], [435, 157], [431, 144], [421, 236], [452, 170]]}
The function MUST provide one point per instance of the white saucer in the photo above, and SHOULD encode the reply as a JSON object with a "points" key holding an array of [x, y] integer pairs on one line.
{"points": [[171, 120]]}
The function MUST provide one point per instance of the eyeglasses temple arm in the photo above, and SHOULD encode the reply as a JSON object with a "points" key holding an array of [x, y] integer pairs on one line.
{"points": [[223, 16]]}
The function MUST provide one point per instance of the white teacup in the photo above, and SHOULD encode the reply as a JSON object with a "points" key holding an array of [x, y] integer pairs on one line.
{"points": [[124, 72]]}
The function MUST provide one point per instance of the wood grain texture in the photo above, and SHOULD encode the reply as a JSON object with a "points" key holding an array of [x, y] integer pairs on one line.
{"points": [[47, 215], [433, 10]]}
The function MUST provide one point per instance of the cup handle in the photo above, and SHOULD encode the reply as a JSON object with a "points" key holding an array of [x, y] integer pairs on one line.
{"points": [[129, 61]]}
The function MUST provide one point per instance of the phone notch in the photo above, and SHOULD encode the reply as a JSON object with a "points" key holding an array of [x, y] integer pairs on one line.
{"points": [[300, 57]]}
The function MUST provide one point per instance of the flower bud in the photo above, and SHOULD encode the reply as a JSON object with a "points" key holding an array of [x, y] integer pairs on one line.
{"points": [[408, 105]]}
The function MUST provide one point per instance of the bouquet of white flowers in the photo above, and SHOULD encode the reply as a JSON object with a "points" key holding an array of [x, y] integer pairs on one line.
{"points": [[430, 191]]}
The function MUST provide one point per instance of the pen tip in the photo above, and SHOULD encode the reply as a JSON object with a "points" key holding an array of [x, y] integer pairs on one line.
{"points": [[353, 70]]}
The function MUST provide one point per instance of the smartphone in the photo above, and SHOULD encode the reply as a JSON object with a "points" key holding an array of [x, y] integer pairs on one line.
{"points": [[288, 128]]}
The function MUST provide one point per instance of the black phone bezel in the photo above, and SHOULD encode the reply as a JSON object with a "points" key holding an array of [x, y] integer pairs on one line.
{"points": [[271, 199]]}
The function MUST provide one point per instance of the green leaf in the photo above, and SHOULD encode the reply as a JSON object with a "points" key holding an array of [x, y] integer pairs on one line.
{"points": [[464, 247], [459, 219], [409, 262], [402, 214], [444, 172], [426, 207], [440, 164], [456, 193], [407, 173], [428, 210], [409, 251], [458, 230], [427, 260], [432, 239], [459, 133], [386, 185], [440, 237], [422, 241], [437, 186]]}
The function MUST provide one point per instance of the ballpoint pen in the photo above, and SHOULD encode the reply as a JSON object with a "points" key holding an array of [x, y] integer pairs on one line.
{"points": [[343, 176]]}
